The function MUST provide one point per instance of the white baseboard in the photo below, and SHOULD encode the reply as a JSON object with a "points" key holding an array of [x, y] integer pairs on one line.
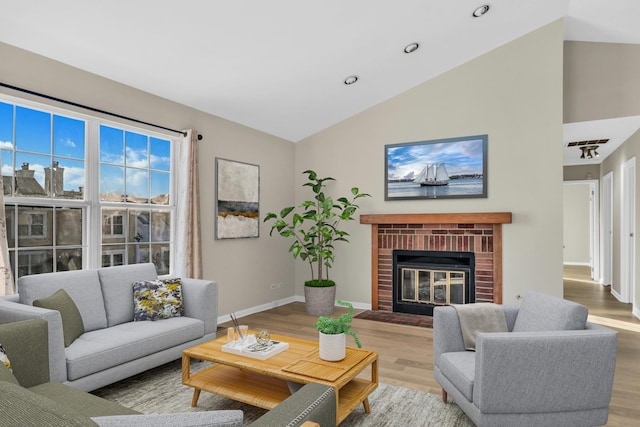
{"points": [[636, 312], [577, 263], [616, 295]]}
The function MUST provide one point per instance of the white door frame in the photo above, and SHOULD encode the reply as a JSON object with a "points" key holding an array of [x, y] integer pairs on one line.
{"points": [[627, 231], [606, 249], [594, 229]]}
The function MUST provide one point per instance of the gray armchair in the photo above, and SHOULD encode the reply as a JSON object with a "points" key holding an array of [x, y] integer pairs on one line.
{"points": [[552, 367]]}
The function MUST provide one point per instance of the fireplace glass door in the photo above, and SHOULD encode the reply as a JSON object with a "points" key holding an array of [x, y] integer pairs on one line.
{"points": [[428, 286]]}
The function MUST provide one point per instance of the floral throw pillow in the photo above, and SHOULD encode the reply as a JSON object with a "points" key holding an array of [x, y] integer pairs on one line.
{"points": [[4, 359], [157, 299]]}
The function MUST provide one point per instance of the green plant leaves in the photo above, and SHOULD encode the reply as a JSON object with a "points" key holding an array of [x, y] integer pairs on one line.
{"points": [[314, 225]]}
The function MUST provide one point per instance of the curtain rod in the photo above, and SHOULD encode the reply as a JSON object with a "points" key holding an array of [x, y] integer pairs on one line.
{"points": [[97, 110]]}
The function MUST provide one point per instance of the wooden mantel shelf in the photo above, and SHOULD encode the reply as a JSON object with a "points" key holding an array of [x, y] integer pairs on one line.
{"points": [[438, 218]]}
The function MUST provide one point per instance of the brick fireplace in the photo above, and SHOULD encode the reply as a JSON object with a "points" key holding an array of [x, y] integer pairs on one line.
{"points": [[480, 233]]}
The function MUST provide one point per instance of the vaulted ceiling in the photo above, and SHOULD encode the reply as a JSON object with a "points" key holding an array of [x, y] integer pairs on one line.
{"points": [[279, 66]]}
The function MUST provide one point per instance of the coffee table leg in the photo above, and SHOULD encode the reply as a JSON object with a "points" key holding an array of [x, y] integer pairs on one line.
{"points": [[365, 403], [196, 395]]}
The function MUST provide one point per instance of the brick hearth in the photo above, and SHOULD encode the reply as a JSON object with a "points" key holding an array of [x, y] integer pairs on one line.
{"points": [[480, 233]]}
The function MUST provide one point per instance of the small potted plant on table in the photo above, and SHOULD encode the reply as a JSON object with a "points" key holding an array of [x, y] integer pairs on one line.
{"points": [[333, 333]]}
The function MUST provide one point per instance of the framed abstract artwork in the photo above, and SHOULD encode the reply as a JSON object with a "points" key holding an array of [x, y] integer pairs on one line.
{"points": [[237, 199], [438, 169]]}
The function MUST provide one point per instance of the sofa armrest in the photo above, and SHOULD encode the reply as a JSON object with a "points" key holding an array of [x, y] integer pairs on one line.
{"points": [[200, 300], [313, 402], [544, 371], [232, 418], [15, 312]]}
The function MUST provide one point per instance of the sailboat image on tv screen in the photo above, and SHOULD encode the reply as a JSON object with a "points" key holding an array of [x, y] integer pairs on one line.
{"points": [[433, 175]]}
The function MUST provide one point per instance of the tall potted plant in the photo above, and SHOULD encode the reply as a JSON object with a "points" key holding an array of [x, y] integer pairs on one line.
{"points": [[314, 227]]}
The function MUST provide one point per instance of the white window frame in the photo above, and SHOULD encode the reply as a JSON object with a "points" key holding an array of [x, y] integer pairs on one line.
{"points": [[91, 206]]}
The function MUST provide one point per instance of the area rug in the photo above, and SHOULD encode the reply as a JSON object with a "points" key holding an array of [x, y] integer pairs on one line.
{"points": [[160, 390], [397, 318]]}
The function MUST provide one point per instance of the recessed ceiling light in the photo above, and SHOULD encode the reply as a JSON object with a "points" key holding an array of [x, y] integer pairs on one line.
{"points": [[351, 80], [411, 48], [480, 11]]}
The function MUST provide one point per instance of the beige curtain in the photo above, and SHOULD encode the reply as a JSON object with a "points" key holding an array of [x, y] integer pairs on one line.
{"points": [[7, 285], [188, 245]]}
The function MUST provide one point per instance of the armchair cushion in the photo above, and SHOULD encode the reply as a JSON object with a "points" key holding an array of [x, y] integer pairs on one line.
{"points": [[460, 367], [72, 325], [541, 312]]}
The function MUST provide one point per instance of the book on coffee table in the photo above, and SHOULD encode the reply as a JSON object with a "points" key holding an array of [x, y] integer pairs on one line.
{"points": [[250, 348]]}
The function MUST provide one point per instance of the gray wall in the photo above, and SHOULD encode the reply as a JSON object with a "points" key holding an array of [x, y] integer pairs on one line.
{"points": [[513, 94]]}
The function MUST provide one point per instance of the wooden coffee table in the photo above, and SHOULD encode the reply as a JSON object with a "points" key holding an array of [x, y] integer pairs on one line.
{"points": [[263, 383]]}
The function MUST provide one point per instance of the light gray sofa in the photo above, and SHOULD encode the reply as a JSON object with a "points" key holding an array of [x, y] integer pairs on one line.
{"points": [[552, 367], [28, 398], [113, 346]]}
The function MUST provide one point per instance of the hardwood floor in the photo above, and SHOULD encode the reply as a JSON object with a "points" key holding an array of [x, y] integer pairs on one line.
{"points": [[406, 352]]}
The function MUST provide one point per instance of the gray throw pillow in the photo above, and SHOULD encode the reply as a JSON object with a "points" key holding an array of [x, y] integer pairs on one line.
{"points": [[542, 312], [72, 325]]}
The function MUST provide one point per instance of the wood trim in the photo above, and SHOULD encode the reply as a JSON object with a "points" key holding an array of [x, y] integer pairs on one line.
{"points": [[497, 263], [374, 266], [438, 218]]}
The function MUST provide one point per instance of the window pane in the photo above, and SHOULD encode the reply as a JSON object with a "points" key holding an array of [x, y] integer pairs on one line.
{"points": [[111, 145], [7, 171], [160, 226], [68, 178], [137, 150], [6, 126], [137, 187], [69, 259], [68, 137], [160, 183], [139, 232], [9, 213], [112, 255], [161, 258], [33, 130], [68, 226], [35, 262], [138, 254], [29, 175], [113, 226], [35, 224], [111, 183], [160, 158]]}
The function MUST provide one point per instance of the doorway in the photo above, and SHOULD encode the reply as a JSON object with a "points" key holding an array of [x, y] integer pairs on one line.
{"points": [[581, 240]]}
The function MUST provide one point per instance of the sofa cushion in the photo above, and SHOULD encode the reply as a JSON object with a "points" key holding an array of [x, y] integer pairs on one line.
{"points": [[157, 299], [72, 326], [105, 348], [117, 290], [460, 368], [83, 286], [22, 407], [542, 312]]}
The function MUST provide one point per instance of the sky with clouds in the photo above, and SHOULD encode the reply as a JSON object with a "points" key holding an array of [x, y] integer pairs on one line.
{"points": [[33, 130], [460, 157]]}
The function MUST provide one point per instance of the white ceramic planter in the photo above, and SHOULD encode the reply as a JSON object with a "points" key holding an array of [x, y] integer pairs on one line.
{"points": [[332, 347]]}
